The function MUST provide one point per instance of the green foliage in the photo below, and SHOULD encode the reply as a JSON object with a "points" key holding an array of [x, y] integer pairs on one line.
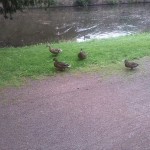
{"points": [[39, 2], [51, 2], [112, 2], [35, 61], [25, 3], [82, 2]]}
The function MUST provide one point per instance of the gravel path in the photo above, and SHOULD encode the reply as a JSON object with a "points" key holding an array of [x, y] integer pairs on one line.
{"points": [[79, 112]]}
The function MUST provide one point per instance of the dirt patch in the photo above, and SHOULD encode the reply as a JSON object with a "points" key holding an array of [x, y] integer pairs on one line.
{"points": [[82, 111]]}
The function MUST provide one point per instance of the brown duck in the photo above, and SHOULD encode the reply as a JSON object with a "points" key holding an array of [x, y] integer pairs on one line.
{"points": [[55, 51], [130, 65], [60, 65], [82, 55]]}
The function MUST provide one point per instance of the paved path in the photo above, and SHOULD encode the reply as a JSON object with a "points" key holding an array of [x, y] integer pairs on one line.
{"points": [[79, 112]]}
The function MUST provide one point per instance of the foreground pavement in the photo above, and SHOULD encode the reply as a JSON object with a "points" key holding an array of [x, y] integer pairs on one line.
{"points": [[79, 112]]}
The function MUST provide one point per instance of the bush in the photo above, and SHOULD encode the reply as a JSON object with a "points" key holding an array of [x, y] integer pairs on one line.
{"points": [[51, 2], [112, 2], [82, 2]]}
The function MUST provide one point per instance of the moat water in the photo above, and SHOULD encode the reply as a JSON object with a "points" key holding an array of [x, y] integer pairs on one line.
{"points": [[74, 23]]}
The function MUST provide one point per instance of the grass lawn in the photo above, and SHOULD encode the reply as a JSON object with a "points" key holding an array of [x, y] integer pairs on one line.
{"points": [[34, 61]]}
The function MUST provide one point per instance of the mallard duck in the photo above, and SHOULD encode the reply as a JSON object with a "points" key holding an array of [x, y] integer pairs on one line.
{"points": [[54, 50], [130, 65], [82, 55], [60, 65], [86, 37]]}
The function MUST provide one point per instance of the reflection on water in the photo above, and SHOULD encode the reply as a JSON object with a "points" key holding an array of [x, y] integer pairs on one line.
{"points": [[80, 24]]}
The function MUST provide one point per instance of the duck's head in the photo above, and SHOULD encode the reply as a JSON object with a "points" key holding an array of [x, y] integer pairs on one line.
{"points": [[125, 61]]}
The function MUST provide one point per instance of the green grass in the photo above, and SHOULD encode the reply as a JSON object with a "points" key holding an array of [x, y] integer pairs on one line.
{"points": [[34, 61]]}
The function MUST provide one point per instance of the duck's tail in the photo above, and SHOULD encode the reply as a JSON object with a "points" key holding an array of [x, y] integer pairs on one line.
{"points": [[60, 50], [69, 66]]}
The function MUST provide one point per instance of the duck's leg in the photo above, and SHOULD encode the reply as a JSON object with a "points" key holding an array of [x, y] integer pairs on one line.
{"points": [[61, 69]]}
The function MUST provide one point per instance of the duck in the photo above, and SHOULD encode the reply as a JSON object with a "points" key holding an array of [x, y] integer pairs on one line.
{"points": [[86, 37], [82, 55], [130, 64], [61, 66], [55, 51]]}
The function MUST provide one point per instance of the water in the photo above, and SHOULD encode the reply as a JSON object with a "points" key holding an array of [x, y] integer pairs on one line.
{"points": [[79, 24]]}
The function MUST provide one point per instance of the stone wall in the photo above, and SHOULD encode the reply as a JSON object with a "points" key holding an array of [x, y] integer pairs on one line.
{"points": [[97, 2]]}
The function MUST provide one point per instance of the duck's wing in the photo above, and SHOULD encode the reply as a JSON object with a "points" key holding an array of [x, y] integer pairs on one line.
{"points": [[54, 51], [133, 64], [82, 55], [63, 65]]}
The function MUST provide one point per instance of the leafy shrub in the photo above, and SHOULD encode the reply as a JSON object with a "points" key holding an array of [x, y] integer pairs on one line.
{"points": [[51, 2], [82, 2], [112, 2]]}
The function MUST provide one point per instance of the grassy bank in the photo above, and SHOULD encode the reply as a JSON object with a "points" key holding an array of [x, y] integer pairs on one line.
{"points": [[35, 61]]}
